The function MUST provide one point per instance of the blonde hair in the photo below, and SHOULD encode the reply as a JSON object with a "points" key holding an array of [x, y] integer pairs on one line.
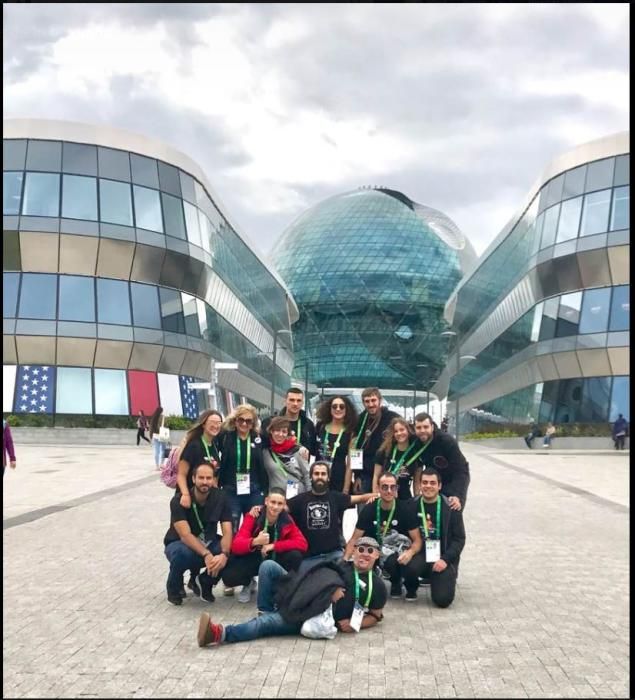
{"points": [[389, 433], [242, 410]]}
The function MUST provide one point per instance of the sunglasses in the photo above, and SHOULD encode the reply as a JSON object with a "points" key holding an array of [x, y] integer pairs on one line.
{"points": [[388, 487], [246, 421], [338, 405], [366, 550]]}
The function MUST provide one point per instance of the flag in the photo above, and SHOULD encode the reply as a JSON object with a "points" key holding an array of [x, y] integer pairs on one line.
{"points": [[34, 389], [188, 398], [144, 394], [170, 394]]}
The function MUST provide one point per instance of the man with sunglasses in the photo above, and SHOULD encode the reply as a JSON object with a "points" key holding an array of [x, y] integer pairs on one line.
{"points": [[382, 520]]}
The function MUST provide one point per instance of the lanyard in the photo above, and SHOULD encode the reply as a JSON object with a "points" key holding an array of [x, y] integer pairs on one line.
{"points": [[207, 452], [278, 461], [370, 587], [335, 446], [195, 509], [238, 451], [397, 466], [414, 456], [437, 521], [298, 429], [361, 431], [387, 521]]}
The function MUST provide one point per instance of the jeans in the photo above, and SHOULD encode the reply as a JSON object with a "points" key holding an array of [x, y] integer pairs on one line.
{"points": [[181, 559], [141, 434], [547, 440], [157, 449], [310, 562], [242, 504]]}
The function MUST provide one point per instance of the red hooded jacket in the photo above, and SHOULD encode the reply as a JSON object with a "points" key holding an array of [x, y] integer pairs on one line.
{"points": [[289, 535]]}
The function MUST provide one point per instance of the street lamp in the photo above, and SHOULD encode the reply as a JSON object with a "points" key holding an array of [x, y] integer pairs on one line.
{"points": [[211, 385], [459, 357]]}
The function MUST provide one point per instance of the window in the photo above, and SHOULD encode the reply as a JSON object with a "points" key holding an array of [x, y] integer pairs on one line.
{"points": [[620, 309], [569, 219], [595, 214], [111, 392], [147, 207], [595, 310], [114, 202], [169, 179], [10, 284], [79, 159], [596, 398], [622, 171], [620, 214], [620, 398], [599, 174], [79, 197], [535, 326], [11, 192], [144, 171], [191, 221], [569, 314], [549, 316], [574, 182], [14, 154], [171, 310], [114, 164], [191, 315], [44, 155], [187, 186], [74, 390], [550, 226], [41, 195], [38, 296], [173, 213], [77, 299], [554, 190], [113, 302], [145, 305]]}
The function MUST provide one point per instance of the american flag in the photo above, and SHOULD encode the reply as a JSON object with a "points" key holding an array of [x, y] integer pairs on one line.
{"points": [[34, 389], [188, 398]]}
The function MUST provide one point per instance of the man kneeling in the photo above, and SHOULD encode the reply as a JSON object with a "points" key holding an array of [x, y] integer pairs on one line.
{"points": [[272, 534]]}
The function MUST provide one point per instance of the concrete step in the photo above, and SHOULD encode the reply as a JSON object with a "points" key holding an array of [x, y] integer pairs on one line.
{"points": [[83, 436]]}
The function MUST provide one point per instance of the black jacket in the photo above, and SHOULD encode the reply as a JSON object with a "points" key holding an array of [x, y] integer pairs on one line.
{"points": [[301, 596], [371, 443], [452, 531], [307, 430], [444, 455]]}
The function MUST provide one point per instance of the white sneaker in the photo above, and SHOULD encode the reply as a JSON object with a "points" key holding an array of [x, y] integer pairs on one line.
{"points": [[245, 595]]}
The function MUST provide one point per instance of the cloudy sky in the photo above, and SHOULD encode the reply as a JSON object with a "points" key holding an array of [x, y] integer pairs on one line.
{"points": [[458, 106]]}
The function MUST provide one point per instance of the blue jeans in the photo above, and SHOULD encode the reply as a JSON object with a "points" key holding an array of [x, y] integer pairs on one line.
{"points": [[242, 504], [310, 562], [182, 559], [157, 449]]}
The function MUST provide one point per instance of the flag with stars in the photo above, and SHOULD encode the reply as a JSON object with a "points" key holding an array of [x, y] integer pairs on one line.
{"points": [[34, 389], [188, 397]]}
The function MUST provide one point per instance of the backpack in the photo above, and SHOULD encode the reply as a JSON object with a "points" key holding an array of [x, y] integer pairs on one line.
{"points": [[170, 469]]}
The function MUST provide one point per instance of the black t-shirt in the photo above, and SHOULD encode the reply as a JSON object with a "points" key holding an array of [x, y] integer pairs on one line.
{"points": [[406, 471], [215, 510], [194, 454], [369, 442], [325, 443], [343, 609], [319, 517], [403, 519], [430, 510], [252, 448]]}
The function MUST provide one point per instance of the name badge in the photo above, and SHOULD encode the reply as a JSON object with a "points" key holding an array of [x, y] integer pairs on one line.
{"points": [[292, 488], [433, 551], [357, 460], [357, 617], [242, 484]]}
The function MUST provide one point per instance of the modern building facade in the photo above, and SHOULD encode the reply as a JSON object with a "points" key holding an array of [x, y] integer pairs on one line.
{"points": [[546, 309], [371, 271], [123, 278]]}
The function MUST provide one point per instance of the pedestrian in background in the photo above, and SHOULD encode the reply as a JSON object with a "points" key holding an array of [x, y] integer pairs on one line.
{"points": [[550, 431], [7, 447], [142, 426], [619, 432], [156, 422]]}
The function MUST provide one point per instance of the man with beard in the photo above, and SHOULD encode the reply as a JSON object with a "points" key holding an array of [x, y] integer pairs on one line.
{"points": [[319, 512], [441, 452], [192, 541]]}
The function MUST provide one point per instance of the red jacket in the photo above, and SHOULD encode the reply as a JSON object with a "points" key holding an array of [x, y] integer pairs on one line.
{"points": [[289, 535]]}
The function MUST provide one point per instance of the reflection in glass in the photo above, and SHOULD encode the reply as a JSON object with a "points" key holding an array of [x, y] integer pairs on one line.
{"points": [[79, 158], [549, 316], [535, 325], [145, 305], [595, 213], [11, 192], [38, 296], [115, 203], [595, 310], [114, 164], [74, 390], [599, 174], [10, 283], [620, 398], [41, 195], [77, 298], [550, 225], [44, 155], [171, 310], [113, 303], [79, 197], [569, 219], [595, 402], [569, 314], [173, 214], [147, 206], [620, 309], [620, 212], [111, 392], [191, 221]]}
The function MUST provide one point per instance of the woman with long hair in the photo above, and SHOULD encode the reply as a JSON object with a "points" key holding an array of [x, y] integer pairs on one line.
{"points": [[336, 422], [399, 455], [156, 421], [283, 462]]}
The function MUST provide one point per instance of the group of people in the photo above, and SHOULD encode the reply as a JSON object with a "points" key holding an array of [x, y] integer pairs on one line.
{"points": [[535, 432], [270, 503]]}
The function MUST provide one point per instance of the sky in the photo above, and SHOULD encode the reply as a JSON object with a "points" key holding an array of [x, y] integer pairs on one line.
{"points": [[459, 106]]}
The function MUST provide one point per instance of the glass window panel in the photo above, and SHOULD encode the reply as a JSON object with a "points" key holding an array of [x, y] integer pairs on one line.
{"points": [[620, 399], [595, 310], [550, 226], [169, 179], [115, 205], [145, 305], [144, 171], [549, 316], [171, 310], [191, 221], [13, 154], [77, 298], [79, 197], [173, 213], [38, 296], [74, 390], [111, 392], [569, 219], [11, 192], [41, 195], [595, 213], [10, 284], [569, 314], [113, 302], [114, 164], [191, 315], [205, 228], [620, 212], [79, 158], [187, 187], [569, 401], [574, 182], [620, 309], [622, 172], [147, 206], [44, 155], [596, 395], [554, 190], [599, 174]]}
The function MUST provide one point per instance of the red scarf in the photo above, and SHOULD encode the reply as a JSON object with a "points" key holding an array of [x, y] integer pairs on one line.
{"points": [[283, 447]]}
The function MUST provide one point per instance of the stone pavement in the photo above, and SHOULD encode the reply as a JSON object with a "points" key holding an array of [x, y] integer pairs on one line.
{"points": [[541, 608]]}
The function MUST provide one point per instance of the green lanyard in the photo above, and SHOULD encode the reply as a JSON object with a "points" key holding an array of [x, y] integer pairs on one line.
{"points": [[207, 453], [437, 522], [200, 524], [397, 466], [335, 446], [414, 456], [387, 521], [370, 587], [278, 461], [298, 430], [238, 451], [275, 536], [361, 431]]}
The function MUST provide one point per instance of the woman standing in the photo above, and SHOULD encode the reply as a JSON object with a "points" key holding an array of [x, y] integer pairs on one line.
{"points": [[200, 446], [156, 422], [7, 447], [142, 426], [285, 467], [399, 456], [336, 422]]}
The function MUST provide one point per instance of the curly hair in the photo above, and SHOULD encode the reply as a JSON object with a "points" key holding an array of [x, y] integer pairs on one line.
{"points": [[244, 409], [324, 416], [389, 439]]}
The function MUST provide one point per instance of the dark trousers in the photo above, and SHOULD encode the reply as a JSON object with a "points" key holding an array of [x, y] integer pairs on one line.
{"points": [[241, 569], [141, 433], [442, 585], [619, 441], [183, 559]]}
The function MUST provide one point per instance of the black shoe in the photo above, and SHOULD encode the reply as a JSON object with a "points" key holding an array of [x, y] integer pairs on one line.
{"points": [[182, 592], [411, 595], [204, 583], [395, 590], [193, 586], [175, 599]]}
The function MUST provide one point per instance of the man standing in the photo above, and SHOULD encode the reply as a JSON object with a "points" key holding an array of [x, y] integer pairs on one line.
{"points": [[619, 432], [192, 541], [443, 538], [368, 437], [382, 520], [441, 452], [319, 513], [300, 424]]}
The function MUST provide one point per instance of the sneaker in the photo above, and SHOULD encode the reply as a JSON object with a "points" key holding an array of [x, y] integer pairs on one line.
{"points": [[411, 595], [175, 599], [193, 586], [209, 633], [245, 594], [395, 590], [205, 588], [253, 586], [228, 591]]}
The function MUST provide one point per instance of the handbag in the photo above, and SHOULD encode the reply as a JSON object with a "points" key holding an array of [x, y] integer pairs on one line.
{"points": [[164, 433], [320, 626]]}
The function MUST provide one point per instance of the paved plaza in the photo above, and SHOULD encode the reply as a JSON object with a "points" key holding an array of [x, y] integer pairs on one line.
{"points": [[542, 605]]}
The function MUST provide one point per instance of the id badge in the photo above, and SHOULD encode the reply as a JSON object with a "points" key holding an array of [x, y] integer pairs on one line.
{"points": [[433, 551], [292, 489], [357, 460], [357, 617], [242, 484]]}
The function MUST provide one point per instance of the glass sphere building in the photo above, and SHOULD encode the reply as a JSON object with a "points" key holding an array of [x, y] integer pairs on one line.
{"points": [[371, 271]]}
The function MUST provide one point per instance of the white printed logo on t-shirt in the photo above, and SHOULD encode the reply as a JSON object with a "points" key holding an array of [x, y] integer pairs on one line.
{"points": [[318, 516]]}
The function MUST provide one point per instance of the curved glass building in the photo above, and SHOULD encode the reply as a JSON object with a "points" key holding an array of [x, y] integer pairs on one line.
{"points": [[371, 271], [123, 278], [546, 310]]}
